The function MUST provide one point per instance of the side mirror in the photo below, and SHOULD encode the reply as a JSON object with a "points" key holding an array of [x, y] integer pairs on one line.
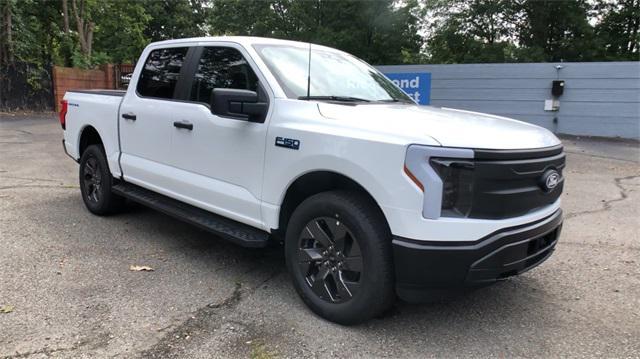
{"points": [[238, 104]]}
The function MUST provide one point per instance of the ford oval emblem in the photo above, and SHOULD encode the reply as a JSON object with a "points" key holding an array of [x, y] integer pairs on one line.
{"points": [[550, 180]]}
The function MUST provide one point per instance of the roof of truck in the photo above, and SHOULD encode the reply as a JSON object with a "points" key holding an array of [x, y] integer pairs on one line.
{"points": [[246, 40]]}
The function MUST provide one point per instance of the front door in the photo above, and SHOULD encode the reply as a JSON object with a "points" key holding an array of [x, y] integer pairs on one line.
{"points": [[221, 158]]}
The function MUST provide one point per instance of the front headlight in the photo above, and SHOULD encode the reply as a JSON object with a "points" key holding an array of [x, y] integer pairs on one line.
{"points": [[445, 176], [457, 185]]}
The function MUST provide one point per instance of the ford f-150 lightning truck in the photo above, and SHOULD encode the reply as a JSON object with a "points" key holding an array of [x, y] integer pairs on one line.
{"points": [[373, 196]]}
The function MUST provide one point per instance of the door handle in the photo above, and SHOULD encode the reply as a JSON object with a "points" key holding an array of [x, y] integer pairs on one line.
{"points": [[185, 125], [129, 116]]}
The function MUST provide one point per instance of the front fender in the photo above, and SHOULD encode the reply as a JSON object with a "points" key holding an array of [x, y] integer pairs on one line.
{"points": [[378, 169]]}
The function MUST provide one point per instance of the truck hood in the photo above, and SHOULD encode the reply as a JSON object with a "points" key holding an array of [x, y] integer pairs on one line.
{"points": [[449, 127]]}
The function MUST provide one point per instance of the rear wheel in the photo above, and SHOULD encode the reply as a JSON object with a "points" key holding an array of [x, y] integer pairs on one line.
{"points": [[338, 253], [96, 182]]}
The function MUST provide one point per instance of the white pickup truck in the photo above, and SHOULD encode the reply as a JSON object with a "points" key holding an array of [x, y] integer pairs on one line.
{"points": [[374, 196]]}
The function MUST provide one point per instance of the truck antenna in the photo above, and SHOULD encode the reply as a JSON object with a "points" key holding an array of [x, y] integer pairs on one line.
{"points": [[309, 74]]}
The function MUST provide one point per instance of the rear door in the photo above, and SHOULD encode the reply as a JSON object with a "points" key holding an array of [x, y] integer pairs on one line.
{"points": [[221, 158], [147, 116]]}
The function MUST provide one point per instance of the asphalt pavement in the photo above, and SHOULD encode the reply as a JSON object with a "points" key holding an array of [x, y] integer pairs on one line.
{"points": [[68, 291]]}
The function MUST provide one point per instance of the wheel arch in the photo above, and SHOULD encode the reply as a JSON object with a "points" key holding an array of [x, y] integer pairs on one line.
{"points": [[311, 183], [88, 136]]}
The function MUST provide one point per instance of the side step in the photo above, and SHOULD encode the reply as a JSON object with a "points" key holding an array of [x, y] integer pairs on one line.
{"points": [[229, 229]]}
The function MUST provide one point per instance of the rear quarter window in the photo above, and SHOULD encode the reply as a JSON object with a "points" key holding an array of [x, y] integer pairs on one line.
{"points": [[161, 72]]}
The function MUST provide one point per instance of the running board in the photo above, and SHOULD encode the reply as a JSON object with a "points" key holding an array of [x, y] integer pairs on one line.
{"points": [[229, 229]]}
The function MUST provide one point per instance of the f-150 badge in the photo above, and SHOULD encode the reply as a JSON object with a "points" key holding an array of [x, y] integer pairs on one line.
{"points": [[288, 143]]}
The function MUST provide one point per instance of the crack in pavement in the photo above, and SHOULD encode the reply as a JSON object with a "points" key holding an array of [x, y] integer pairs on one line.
{"points": [[97, 341], [45, 351], [204, 319], [607, 205]]}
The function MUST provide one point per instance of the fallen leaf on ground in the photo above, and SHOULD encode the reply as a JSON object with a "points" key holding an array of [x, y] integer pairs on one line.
{"points": [[6, 308], [141, 268]]}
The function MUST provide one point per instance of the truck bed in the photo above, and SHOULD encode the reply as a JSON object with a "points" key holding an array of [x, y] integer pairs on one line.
{"points": [[93, 110]]}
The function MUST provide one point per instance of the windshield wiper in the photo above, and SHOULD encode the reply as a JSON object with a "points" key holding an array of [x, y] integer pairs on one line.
{"points": [[334, 98], [396, 100]]}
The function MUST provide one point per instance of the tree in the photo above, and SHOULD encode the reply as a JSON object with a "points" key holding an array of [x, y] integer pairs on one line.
{"points": [[84, 25], [105, 31], [241, 17], [6, 31], [28, 34], [617, 32], [559, 30], [471, 31], [380, 31], [527, 30], [174, 19], [89, 32], [120, 30]]}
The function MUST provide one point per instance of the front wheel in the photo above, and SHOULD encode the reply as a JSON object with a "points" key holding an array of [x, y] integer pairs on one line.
{"points": [[96, 182], [338, 252]]}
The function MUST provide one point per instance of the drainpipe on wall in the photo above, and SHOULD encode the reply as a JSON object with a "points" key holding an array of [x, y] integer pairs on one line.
{"points": [[557, 98]]}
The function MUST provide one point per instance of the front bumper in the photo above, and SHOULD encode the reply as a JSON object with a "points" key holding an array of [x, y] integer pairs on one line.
{"points": [[421, 266]]}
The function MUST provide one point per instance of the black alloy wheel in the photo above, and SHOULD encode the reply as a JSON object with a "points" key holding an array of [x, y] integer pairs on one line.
{"points": [[339, 255], [96, 182], [329, 258], [92, 177]]}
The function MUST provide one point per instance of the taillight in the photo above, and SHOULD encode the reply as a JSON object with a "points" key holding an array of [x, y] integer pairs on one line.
{"points": [[63, 113]]}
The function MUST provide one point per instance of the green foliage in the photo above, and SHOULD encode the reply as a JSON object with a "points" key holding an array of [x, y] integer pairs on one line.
{"points": [[120, 31], [80, 60], [32, 31], [467, 31], [35, 77], [242, 17], [617, 33], [378, 31], [174, 19], [471, 31], [559, 29]]}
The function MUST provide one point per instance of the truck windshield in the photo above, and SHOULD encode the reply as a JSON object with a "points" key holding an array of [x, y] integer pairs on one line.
{"points": [[335, 76]]}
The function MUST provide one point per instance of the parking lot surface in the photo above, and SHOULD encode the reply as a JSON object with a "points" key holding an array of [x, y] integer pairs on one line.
{"points": [[66, 283]]}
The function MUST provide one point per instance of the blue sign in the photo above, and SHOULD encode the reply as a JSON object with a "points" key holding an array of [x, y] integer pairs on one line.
{"points": [[416, 84]]}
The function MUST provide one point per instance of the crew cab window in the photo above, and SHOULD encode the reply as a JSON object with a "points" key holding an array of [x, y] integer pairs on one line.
{"points": [[221, 67], [161, 72]]}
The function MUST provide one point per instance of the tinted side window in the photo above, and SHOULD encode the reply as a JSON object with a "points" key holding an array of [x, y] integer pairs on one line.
{"points": [[221, 67], [161, 72]]}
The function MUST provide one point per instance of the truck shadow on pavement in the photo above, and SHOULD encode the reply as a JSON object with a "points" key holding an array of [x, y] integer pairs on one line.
{"points": [[509, 308], [204, 246]]}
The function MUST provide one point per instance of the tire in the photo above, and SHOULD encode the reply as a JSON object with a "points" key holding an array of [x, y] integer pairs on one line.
{"points": [[96, 181], [338, 253]]}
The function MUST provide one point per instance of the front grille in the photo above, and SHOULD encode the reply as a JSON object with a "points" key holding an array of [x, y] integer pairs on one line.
{"points": [[500, 184], [510, 188]]}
